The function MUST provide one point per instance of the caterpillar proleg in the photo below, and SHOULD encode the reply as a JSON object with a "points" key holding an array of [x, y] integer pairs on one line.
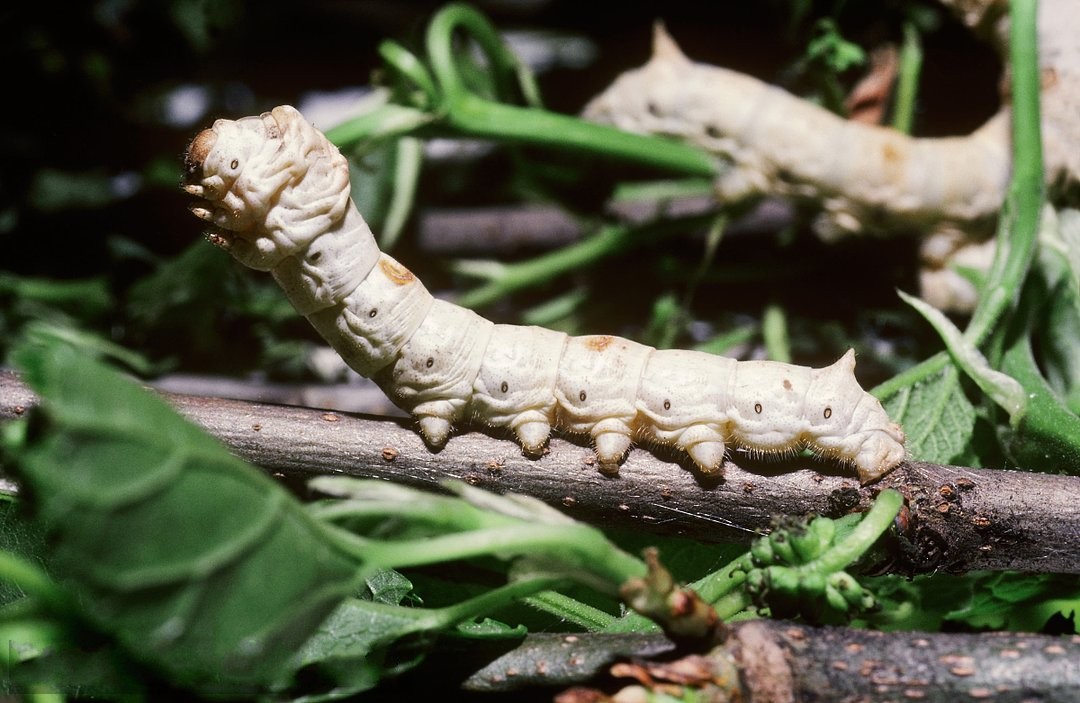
{"points": [[276, 193]]}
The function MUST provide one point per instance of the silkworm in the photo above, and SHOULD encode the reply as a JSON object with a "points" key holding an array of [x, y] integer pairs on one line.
{"points": [[276, 194], [866, 178]]}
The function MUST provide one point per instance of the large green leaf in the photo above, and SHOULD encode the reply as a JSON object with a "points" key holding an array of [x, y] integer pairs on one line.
{"points": [[196, 562]]}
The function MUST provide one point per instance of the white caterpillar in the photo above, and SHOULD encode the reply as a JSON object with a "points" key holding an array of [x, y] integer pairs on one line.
{"points": [[866, 177], [277, 193]]}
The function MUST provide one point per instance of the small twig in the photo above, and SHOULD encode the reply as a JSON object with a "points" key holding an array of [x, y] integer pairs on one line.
{"points": [[509, 229], [960, 518]]}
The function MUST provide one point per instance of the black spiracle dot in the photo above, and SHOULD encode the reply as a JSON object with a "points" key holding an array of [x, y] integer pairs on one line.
{"points": [[667, 405], [581, 396], [430, 362], [504, 387], [653, 108], [373, 313], [713, 131], [235, 164], [757, 408], [828, 413], [315, 256]]}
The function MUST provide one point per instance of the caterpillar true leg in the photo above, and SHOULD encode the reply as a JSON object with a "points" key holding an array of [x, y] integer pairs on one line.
{"points": [[277, 193]]}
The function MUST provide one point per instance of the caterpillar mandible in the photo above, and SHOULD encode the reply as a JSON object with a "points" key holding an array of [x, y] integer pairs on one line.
{"points": [[276, 193]]}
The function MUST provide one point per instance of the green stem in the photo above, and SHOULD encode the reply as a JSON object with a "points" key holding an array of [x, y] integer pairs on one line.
{"points": [[722, 589], [1048, 437], [872, 525], [775, 333], [916, 374], [608, 241], [478, 117], [407, 66], [544, 268], [432, 619], [1019, 224], [483, 118], [453, 105], [504, 64], [441, 618], [445, 515], [33, 581], [576, 548], [907, 83], [720, 583], [386, 121], [571, 610], [732, 603]]}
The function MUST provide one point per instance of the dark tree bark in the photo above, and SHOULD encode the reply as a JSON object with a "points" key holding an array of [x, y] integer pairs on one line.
{"points": [[959, 519], [782, 662]]}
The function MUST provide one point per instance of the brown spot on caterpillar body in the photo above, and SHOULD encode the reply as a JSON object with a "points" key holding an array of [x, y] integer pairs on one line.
{"points": [[396, 272], [599, 343], [526, 379]]}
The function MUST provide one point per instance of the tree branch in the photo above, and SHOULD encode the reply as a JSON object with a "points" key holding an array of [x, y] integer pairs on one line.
{"points": [[782, 661], [960, 518]]}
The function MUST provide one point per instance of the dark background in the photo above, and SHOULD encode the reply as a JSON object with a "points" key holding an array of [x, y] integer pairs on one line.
{"points": [[89, 161]]}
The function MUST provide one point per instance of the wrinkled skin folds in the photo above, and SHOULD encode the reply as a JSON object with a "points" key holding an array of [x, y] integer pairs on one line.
{"points": [[275, 193]]}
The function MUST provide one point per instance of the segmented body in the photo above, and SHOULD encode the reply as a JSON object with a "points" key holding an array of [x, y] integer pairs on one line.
{"points": [[277, 193], [867, 178]]}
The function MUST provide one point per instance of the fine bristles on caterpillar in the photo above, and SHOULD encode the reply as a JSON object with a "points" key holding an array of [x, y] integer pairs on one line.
{"points": [[277, 193]]}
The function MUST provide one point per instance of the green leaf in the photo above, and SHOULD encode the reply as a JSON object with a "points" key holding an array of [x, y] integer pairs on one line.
{"points": [[196, 562], [1064, 239], [832, 49], [1048, 436], [350, 646], [774, 330], [1057, 333], [937, 417], [407, 159], [388, 586], [1001, 388], [1018, 602]]}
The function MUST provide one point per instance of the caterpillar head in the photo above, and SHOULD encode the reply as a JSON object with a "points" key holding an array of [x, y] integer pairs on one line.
{"points": [[269, 184], [637, 100], [707, 106], [849, 423]]}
